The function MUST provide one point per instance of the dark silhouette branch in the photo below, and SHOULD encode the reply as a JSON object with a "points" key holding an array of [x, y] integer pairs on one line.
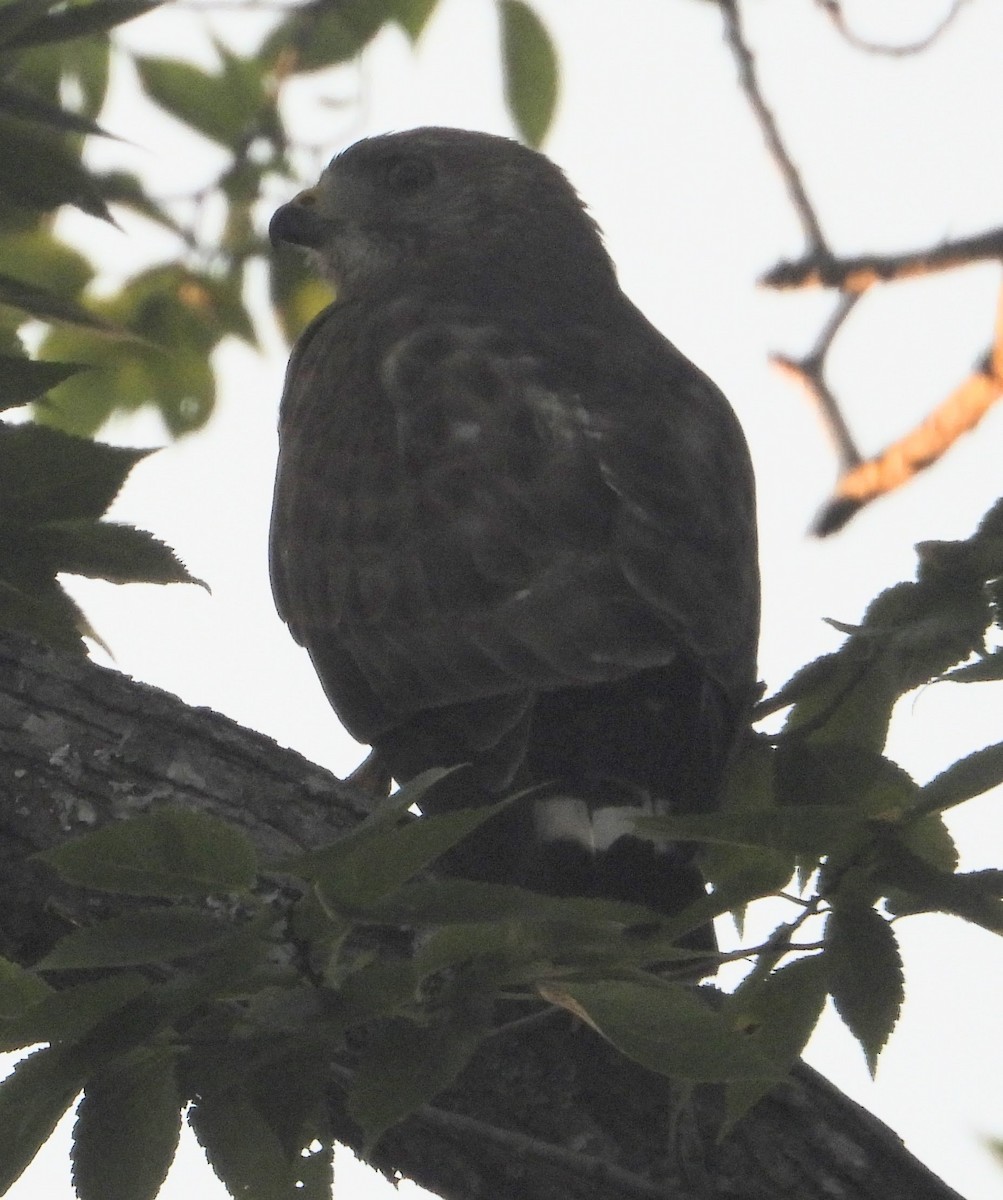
{"points": [[810, 371], [861, 272], [834, 10], [749, 83]]}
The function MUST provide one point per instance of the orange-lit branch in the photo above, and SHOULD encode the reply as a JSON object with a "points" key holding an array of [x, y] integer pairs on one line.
{"points": [[898, 463]]}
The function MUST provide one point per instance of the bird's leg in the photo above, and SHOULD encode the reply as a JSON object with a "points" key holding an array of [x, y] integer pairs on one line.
{"points": [[372, 777]]}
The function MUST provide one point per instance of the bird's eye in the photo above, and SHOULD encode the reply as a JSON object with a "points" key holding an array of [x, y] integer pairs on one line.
{"points": [[406, 174]]}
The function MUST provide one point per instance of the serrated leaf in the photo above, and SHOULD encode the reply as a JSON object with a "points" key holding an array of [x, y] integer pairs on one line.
{"points": [[779, 1014], [68, 1014], [362, 873], [127, 1128], [803, 830], [45, 611], [20, 990], [531, 71], [242, 1148], [834, 773], [968, 777], [50, 476], [405, 1065], [865, 976], [973, 895], [167, 853], [666, 1029], [151, 936], [22, 380], [108, 550], [32, 1101]]}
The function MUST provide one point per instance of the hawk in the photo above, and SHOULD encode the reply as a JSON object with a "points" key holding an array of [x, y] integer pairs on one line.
{"points": [[513, 526]]}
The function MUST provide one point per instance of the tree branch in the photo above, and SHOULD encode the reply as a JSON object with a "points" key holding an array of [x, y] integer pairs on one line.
{"points": [[81, 746]]}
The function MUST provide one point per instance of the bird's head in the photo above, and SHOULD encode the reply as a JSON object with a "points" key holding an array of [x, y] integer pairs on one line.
{"points": [[446, 208]]}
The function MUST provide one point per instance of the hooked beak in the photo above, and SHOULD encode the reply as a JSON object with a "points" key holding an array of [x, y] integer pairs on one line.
{"points": [[299, 222]]}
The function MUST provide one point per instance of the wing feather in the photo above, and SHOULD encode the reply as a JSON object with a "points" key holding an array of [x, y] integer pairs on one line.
{"points": [[468, 510]]}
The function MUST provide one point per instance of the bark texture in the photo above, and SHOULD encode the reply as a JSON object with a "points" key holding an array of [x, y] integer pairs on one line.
{"points": [[545, 1112]]}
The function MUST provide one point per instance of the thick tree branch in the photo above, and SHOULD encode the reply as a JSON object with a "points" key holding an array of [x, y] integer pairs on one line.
{"points": [[82, 746]]}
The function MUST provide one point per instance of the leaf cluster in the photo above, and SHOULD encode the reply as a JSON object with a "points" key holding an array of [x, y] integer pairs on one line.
{"points": [[277, 1001], [149, 342]]}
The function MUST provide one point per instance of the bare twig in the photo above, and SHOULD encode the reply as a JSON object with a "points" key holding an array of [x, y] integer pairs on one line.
{"points": [[810, 371], [735, 38], [834, 10], [859, 273]]}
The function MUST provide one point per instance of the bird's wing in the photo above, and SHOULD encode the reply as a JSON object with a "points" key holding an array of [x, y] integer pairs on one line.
{"points": [[465, 511]]}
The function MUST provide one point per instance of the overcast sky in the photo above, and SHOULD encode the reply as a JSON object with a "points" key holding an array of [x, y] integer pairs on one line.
{"points": [[653, 132]]}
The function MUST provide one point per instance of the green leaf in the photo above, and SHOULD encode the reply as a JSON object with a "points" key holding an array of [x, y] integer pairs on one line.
{"points": [[69, 1014], [127, 1128], [107, 550], [45, 612], [15, 102], [968, 777], [49, 476], [355, 875], [834, 773], [148, 936], [78, 21], [22, 380], [911, 633], [175, 318], [297, 294], [32, 1101], [167, 853], [47, 305], [317, 37], [19, 990], [242, 1148], [667, 1029], [121, 187], [973, 895], [865, 975], [531, 71], [221, 106], [39, 171], [19, 15], [430, 903], [405, 1065], [779, 1014], [412, 15], [748, 787], [803, 830]]}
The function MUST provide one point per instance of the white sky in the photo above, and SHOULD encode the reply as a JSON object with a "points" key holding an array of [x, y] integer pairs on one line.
{"points": [[653, 132]]}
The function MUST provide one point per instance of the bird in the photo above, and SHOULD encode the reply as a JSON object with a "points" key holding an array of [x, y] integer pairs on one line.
{"points": [[513, 525]]}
